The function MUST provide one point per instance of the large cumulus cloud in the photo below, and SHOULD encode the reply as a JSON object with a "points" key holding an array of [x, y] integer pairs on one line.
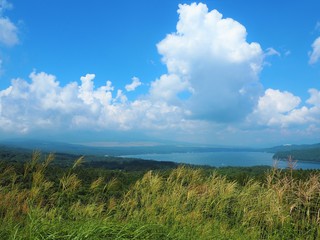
{"points": [[210, 55]]}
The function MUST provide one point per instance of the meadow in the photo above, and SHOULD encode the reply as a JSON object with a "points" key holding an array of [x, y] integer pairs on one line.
{"points": [[42, 200]]}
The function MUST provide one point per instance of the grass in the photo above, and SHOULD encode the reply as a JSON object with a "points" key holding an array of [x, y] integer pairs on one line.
{"points": [[185, 203]]}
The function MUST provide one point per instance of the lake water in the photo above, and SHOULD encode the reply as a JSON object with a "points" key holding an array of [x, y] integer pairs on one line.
{"points": [[223, 159]]}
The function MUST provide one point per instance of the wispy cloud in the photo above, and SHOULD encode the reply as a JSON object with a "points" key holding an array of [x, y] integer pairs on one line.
{"points": [[135, 83], [272, 52], [8, 30], [315, 53]]}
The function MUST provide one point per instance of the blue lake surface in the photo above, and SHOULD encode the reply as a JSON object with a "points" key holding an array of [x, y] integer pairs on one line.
{"points": [[223, 159]]}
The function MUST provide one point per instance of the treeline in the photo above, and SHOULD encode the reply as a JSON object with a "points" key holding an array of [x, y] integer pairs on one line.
{"points": [[308, 155], [9, 154], [94, 164]]}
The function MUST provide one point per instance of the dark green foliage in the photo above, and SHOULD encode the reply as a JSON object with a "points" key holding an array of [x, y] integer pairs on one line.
{"points": [[308, 155], [9, 154]]}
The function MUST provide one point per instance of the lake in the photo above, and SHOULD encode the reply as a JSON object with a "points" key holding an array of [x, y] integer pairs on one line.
{"points": [[223, 159]]}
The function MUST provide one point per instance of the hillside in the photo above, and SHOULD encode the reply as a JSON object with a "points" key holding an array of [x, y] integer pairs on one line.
{"points": [[291, 147], [14, 154], [308, 155], [305, 152], [40, 200]]}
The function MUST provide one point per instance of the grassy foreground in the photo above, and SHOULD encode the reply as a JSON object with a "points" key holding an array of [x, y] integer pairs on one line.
{"points": [[183, 203]]}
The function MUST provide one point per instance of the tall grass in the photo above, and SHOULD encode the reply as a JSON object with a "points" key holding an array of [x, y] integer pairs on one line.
{"points": [[184, 204], [209, 206]]}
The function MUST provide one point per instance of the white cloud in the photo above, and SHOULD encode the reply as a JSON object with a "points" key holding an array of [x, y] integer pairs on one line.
{"points": [[44, 104], [315, 53], [135, 83], [8, 32], [209, 56], [272, 52], [275, 100], [282, 110], [121, 97], [314, 97], [86, 89], [274, 107], [167, 87]]}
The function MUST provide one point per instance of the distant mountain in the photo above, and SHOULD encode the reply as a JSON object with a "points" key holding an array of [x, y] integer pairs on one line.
{"points": [[55, 147]]}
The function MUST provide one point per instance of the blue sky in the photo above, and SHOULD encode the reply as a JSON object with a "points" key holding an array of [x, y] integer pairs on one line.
{"points": [[215, 72]]}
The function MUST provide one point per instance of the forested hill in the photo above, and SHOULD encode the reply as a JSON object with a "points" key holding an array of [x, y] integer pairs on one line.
{"points": [[306, 152], [11, 154], [291, 147], [310, 155]]}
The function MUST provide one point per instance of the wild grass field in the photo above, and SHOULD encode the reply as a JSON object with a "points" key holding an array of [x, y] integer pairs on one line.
{"points": [[39, 200]]}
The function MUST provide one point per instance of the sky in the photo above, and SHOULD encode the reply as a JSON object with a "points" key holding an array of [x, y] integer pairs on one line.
{"points": [[216, 72]]}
